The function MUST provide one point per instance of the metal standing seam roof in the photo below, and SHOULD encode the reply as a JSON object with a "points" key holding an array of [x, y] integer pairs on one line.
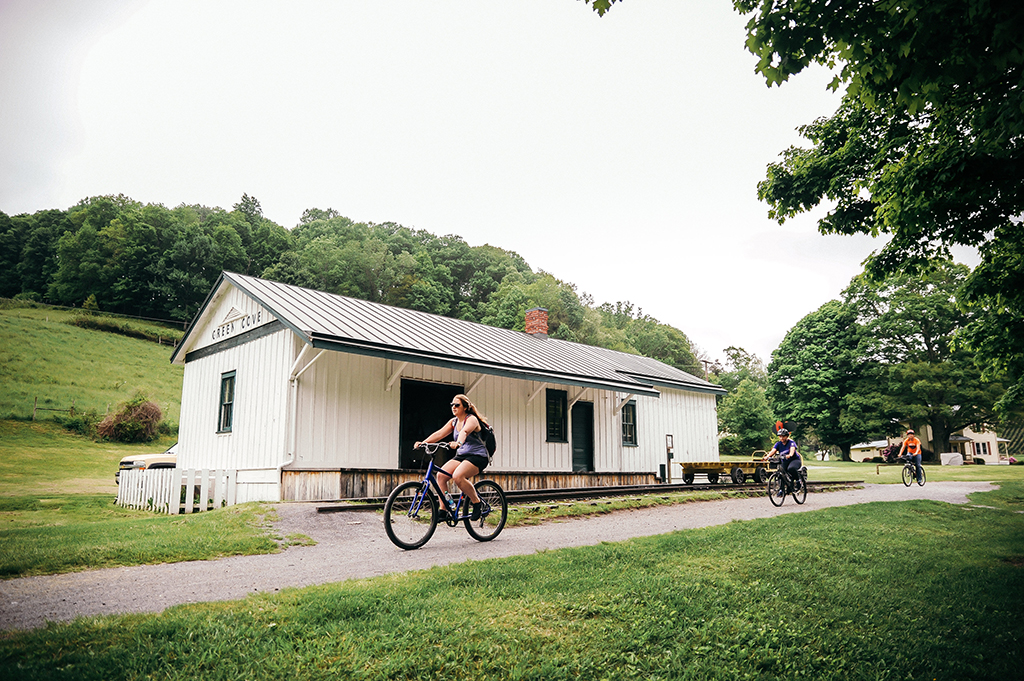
{"points": [[327, 320]]}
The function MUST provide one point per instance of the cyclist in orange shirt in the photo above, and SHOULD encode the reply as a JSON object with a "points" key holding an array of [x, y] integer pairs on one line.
{"points": [[912, 447]]}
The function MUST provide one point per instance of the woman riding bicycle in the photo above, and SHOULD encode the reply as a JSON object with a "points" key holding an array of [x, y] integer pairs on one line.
{"points": [[471, 458], [789, 457]]}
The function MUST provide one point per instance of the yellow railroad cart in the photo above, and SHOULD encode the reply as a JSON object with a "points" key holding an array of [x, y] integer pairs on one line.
{"points": [[755, 470]]}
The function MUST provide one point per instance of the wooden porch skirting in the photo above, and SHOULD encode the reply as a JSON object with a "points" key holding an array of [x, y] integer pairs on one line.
{"points": [[351, 483]]}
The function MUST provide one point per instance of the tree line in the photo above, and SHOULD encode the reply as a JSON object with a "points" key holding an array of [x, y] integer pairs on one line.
{"points": [[889, 353], [118, 255]]}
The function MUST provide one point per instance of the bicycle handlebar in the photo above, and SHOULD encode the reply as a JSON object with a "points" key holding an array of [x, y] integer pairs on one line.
{"points": [[432, 447]]}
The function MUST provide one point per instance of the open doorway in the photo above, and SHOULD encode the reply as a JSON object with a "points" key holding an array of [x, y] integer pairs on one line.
{"points": [[424, 408]]}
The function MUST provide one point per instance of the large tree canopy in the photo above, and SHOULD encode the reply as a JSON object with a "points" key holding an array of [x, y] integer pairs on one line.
{"points": [[918, 374], [928, 145], [814, 375]]}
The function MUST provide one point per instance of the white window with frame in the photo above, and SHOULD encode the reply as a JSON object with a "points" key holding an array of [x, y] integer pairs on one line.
{"points": [[980, 449], [226, 412]]}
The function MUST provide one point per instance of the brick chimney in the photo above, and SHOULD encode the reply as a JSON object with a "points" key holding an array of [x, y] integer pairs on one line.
{"points": [[537, 322]]}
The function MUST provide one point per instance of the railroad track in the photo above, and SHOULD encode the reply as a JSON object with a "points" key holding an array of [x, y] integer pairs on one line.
{"points": [[584, 493]]}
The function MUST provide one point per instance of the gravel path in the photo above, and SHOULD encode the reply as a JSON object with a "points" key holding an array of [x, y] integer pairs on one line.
{"points": [[353, 545]]}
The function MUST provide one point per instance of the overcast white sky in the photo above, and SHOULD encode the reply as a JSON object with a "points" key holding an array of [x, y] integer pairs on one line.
{"points": [[619, 153]]}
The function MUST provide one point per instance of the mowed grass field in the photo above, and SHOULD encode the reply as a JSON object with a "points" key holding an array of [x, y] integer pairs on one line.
{"points": [[912, 590]]}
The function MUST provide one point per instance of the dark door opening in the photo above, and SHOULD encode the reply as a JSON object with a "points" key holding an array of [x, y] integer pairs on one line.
{"points": [[424, 408], [582, 437]]}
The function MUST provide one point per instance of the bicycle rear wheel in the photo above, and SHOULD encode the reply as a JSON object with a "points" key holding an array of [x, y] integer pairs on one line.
{"points": [[799, 489], [922, 480], [908, 475], [776, 489], [491, 523], [410, 516]]}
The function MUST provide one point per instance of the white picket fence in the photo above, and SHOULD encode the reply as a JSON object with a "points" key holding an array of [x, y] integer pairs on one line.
{"points": [[161, 489]]}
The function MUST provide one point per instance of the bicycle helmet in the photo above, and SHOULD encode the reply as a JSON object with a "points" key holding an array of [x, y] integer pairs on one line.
{"points": [[910, 431], [783, 432]]}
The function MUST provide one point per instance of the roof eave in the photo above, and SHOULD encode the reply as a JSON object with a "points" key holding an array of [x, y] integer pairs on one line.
{"points": [[710, 388], [193, 325]]}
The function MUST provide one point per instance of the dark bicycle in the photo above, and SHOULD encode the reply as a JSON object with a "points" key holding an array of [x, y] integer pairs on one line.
{"points": [[909, 474], [780, 483], [414, 508]]}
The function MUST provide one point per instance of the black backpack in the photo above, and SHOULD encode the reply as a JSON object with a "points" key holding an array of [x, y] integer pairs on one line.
{"points": [[489, 441]]}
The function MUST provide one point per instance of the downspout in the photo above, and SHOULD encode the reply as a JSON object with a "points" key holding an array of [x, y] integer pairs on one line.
{"points": [[293, 434]]}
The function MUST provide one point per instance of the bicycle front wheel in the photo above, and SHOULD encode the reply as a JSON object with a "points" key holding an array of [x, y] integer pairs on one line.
{"points": [[410, 516], [491, 523], [776, 489], [799, 489], [921, 481], [908, 475]]}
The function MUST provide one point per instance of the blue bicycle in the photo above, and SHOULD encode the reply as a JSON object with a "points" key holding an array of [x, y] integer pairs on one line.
{"points": [[414, 508]]}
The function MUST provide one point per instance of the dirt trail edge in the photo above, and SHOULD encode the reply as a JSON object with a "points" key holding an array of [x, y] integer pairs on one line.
{"points": [[353, 545]]}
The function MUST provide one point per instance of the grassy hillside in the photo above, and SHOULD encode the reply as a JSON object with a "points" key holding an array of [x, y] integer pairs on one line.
{"points": [[41, 356]]}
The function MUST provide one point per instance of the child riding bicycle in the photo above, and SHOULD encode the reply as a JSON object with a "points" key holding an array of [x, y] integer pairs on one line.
{"points": [[912, 447], [789, 457]]}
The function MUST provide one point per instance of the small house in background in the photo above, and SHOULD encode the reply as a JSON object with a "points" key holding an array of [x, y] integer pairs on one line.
{"points": [[868, 450], [971, 445], [315, 396]]}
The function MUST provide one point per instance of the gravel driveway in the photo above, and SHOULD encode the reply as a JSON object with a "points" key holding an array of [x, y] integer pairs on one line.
{"points": [[352, 545]]}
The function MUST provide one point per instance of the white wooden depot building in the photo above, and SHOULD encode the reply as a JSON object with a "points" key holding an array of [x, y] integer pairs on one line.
{"points": [[315, 396]]}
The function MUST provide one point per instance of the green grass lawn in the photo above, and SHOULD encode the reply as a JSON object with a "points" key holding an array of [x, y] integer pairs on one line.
{"points": [[912, 590], [74, 532], [834, 471], [57, 511], [43, 357]]}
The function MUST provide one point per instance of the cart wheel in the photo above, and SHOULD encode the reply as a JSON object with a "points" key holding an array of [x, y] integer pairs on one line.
{"points": [[738, 476], [760, 475], [713, 478], [687, 478]]}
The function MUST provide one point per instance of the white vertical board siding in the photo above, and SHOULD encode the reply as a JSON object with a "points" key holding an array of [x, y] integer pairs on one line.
{"points": [[346, 419], [691, 419], [258, 437]]}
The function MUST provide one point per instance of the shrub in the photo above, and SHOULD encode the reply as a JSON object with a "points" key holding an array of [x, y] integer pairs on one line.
{"points": [[878, 459], [979, 461], [866, 459], [137, 420], [83, 424]]}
